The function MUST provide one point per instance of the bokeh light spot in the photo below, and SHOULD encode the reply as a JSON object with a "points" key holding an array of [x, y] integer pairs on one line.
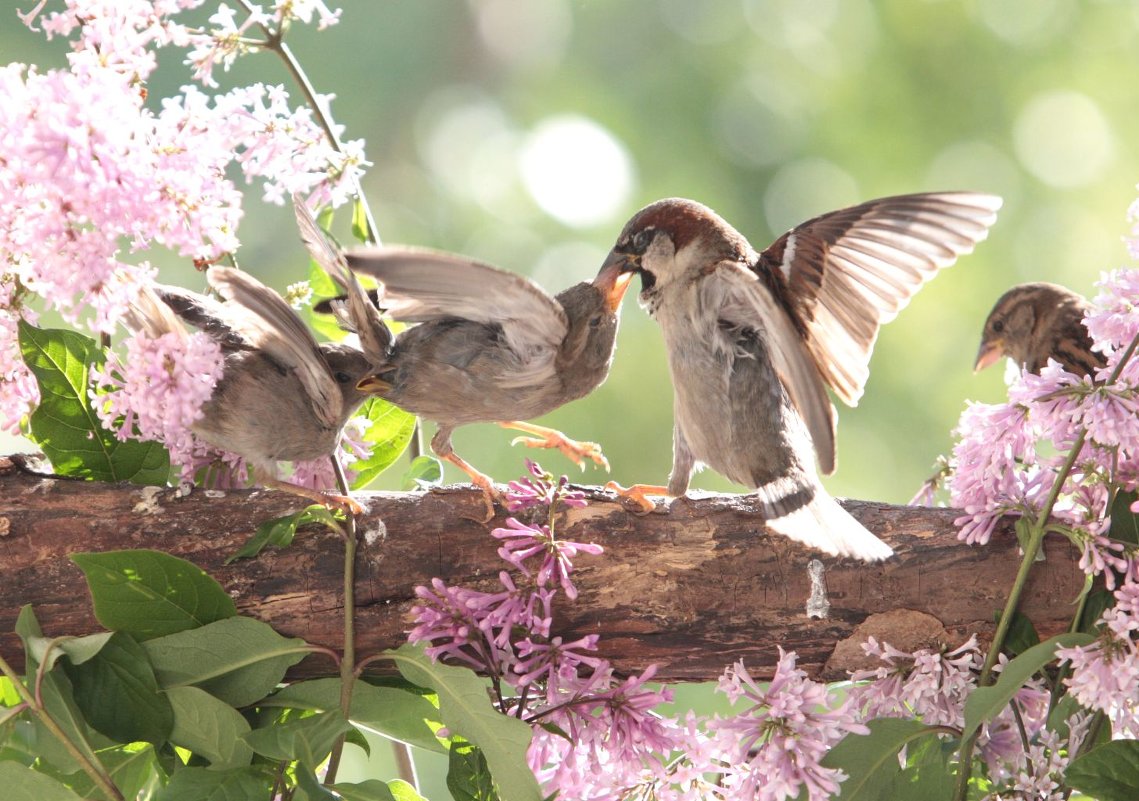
{"points": [[1064, 139], [576, 171]]}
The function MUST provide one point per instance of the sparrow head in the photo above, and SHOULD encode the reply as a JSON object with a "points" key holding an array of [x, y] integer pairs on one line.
{"points": [[1016, 325], [351, 370], [593, 309], [675, 240]]}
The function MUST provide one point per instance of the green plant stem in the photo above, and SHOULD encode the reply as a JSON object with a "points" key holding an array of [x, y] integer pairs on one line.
{"points": [[1031, 549], [348, 659], [94, 770]]}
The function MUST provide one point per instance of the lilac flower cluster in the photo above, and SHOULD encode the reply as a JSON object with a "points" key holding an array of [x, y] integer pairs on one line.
{"points": [[93, 175], [1010, 456], [606, 741]]}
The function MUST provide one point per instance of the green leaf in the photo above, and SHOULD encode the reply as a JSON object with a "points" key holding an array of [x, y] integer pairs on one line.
{"points": [[309, 787], [1107, 773], [65, 424], [467, 711], [985, 703], [150, 593], [206, 784], [308, 740], [402, 791], [118, 694], [370, 790], [21, 783], [870, 761], [280, 531], [1099, 601], [133, 768], [389, 434], [1021, 634], [360, 221], [468, 777], [396, 713], [77, 649], [1124, 522], [425, 471], [239, 660], [210, 728]]}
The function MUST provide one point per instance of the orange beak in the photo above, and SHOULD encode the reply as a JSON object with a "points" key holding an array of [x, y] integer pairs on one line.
{"points": [[613, 279], [373, 384], [988, 354]]}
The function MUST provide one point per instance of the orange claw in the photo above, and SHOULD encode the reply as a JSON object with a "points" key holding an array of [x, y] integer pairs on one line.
{"points": [[577, 452], [638, 494], [330, 499], [481, 480]]}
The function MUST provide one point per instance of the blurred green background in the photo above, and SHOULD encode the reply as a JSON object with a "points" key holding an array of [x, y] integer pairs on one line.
{"points": [[526, 133]]}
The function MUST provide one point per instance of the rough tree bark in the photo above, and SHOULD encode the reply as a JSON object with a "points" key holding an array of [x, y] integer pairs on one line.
{"points": [[692, 588]]}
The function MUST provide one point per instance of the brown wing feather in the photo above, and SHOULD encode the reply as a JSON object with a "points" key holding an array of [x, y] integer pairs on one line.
{"points": [[844, 274]]}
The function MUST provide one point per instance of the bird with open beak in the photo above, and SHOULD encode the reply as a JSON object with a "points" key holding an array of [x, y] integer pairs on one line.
{"points": [[754, 339], [489, 346], [1032, 323]]}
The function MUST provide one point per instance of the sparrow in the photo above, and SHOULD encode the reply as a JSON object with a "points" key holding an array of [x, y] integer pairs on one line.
{"points": [[282, 396], [754, 339], [488, 345], [1032, 323]]}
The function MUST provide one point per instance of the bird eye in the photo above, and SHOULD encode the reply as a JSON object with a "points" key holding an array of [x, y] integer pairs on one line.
{"points": [[998, 326], [642, 239], [342, 377], [594, 322]]}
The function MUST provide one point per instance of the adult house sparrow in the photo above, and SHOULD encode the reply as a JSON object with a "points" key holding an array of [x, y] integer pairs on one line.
{"points": [[1034, 322], [282, 396], [754, 338], [490, 345]]}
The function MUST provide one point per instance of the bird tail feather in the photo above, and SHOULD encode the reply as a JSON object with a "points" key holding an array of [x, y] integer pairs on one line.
{"points": [[819, 522]]}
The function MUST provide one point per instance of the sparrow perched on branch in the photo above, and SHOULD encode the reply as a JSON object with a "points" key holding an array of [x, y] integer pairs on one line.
{"points": [[282, 396], [1034, 322], [754, 338], [490, 346]]}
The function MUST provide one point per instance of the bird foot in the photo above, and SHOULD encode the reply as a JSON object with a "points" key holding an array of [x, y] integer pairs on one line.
{"points": [[342, 502], [638, 494], [481, 480], [332, 500], [577, 452]]}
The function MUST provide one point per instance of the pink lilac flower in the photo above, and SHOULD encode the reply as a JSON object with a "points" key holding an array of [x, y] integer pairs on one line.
{"points": [[157, 393], [540, 489], [783, 733], [522, 541], [18, 390]]}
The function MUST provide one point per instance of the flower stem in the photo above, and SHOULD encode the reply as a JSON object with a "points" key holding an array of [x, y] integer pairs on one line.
{"points": [[348, 659], [91, 766]]}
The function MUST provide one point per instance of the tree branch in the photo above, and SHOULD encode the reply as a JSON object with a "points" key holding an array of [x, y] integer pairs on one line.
{"points": [[693, 588]]}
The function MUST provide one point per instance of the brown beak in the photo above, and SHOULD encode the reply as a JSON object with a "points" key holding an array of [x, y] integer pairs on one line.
{"points": [[989, 353], [614, 277], [373, 384]]}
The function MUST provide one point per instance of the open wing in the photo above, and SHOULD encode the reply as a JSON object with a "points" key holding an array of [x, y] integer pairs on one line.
{"points": [[845, 273]]}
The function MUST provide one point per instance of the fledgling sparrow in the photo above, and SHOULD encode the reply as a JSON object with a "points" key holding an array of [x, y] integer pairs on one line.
{"points": [[282, 396], [754, 338], [1034, 322], [489, 345]]}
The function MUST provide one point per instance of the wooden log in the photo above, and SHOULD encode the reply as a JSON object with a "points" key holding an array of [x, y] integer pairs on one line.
{"points": [[692, 587]]}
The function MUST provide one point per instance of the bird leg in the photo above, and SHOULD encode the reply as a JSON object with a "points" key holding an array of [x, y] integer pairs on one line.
{"points": [[481, 480], [330, 499], [575, 451], [637, 493]]}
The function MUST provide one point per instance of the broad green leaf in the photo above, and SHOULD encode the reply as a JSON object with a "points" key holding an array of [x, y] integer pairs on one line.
{"points": [[22, 783], [1124, 522], [402, 791], [1107, 773], [468, 777], [306, 739], [205, 784], [467, 711], [1021, 634], [239, 660], [77, 649], [1099, 601], [985, 703], [133, 768], [280, 531], [309, 787], [389, 433], [399, 714], [360, 228], [118, 694], [370, 790], [65, 424], [929, 772], [210, 728], [323, 288], [870, 761], [150, 593], [425, 471]]}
